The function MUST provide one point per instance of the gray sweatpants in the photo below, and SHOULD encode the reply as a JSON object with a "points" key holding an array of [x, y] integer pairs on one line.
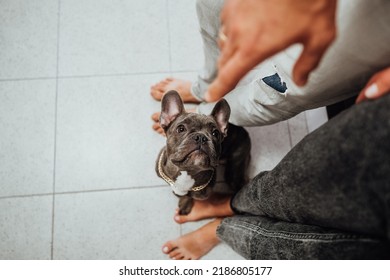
{"points": [[267, 94]]}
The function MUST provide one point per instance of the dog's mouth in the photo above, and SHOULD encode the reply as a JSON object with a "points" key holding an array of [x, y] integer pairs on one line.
{"points": [[198, 152]]}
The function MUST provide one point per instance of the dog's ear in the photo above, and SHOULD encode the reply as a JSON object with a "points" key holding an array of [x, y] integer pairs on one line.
{"points": [[171, 107], [221, 114]]}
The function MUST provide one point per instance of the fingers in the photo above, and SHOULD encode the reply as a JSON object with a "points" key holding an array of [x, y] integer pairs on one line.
{"points": [[228, 49], [227, 43], [229, 75], [376, 87], [222, 38], [254, 31], [310, 57], [306, 63]]}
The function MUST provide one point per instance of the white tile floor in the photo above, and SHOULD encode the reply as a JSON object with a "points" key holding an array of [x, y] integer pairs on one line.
{"points": [[77, 151]]}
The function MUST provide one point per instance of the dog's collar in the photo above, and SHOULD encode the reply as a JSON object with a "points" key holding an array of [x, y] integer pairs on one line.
{"points": [[172, 183]]}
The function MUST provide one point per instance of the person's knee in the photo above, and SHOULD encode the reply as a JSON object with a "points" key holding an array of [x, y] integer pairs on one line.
{"points": [[200, 3], [208, 12], [201, 7], [207, 5]]}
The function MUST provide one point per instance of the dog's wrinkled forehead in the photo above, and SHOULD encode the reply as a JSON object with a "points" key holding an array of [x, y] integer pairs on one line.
{"points": [[173, 111], [194, 122]]}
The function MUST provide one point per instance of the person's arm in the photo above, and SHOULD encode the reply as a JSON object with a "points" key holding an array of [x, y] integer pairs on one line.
{"points": [[257, 29], [376, 87]]}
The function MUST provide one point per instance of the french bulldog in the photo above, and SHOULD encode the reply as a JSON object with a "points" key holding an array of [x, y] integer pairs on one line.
{"points": [[195, 146]]}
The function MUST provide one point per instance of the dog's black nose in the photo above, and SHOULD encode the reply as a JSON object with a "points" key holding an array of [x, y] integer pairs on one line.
{"points": [[200, 139]]}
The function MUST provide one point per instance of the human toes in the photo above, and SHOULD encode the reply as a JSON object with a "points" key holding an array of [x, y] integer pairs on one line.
{"points": [[156, 93], [176, 254], [169, 247], [156, 117], [181, 219], [158, 129], [157, 90]]}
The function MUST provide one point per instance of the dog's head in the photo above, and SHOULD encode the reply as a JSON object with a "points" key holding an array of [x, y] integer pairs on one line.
{"points": [[193, 140]]}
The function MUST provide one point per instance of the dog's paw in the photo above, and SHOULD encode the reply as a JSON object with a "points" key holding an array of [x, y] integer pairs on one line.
{"points": [[185, 211], [185, 205]]}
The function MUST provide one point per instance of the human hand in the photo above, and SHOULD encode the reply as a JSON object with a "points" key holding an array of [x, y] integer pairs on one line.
{"points": [[376, 87], [257, 29]]}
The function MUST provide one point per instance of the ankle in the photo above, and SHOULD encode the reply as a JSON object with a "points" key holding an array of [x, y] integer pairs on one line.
{"points": [[223, 208], [209, 232]]}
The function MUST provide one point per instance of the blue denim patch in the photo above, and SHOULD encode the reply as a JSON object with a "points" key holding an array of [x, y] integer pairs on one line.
{"points": [[275, 82]]}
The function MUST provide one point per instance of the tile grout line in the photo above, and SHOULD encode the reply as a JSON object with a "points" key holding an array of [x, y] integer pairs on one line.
{"points": [[112, 190], [169, 36], [85, 191], [95, 76], [55, 132], [27, 79], [26, 195]]}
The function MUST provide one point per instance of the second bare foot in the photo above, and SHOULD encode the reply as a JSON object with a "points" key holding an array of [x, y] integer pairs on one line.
{"points": [[193, 245]]}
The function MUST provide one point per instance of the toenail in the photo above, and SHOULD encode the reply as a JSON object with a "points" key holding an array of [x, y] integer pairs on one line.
{"points": [[165, 249]]}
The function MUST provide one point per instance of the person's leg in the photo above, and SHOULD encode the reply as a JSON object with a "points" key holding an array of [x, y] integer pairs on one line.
{"points": [[193, 245], [336, 177], [259, 237], [208, 12]]}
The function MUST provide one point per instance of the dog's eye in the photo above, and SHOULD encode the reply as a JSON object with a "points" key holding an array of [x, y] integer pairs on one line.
{"points": [[180, 129], [215, 133]]}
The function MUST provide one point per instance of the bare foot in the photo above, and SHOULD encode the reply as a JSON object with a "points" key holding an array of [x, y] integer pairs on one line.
{"points": [[156, 124], [204, 209], [181, 86], [193, 245], [156, 118]]}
